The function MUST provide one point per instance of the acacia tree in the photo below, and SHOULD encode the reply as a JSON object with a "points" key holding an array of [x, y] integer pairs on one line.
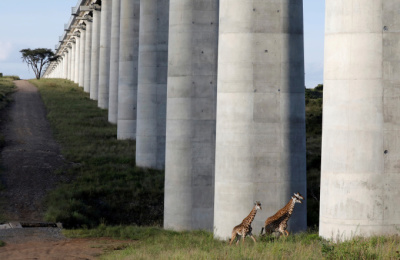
{"points": [[37, 59]]}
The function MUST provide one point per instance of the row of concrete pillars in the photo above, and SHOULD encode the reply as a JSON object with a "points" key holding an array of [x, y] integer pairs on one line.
{"points": [[214, 91], [211, 90]]}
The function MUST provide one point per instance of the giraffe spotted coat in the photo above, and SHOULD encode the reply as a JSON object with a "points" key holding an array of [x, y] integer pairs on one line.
{"points": [[278, 222], [244, 229]]}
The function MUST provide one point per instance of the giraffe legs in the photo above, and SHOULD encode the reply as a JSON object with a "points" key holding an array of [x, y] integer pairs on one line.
{"points": [[261, 233], [234, 235], [230, 243], [253, 238]]}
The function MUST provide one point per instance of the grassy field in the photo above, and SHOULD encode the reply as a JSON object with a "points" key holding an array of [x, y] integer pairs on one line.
{"points": [[108, 188], [106, 185], [7, 87], [156, 243]]}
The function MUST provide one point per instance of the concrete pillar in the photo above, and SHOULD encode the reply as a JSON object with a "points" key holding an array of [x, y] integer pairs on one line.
{"points": [[360, 143], [260, 137], [73, 49], [77, 58], [65, 67], [59, 67], [152, 83], [82, 58], [88, 55], [191, 104], [94, 71], [128, 61], [69, 48], [104, 60], [114, 62]]}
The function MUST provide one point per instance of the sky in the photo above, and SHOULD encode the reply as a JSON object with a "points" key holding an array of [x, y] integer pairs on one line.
{"points": [[39, 23]]}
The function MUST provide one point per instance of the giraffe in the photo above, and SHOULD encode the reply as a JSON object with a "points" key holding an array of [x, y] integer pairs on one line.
{"points": [[244, 229], [278, 222]]}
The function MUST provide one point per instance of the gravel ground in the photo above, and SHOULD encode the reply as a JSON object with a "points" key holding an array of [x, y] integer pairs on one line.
{"points": [[23, 235], [28, 162]]}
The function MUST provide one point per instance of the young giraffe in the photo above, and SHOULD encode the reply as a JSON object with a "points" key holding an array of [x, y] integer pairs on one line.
{"points": [[278, 222], [244, 229]]}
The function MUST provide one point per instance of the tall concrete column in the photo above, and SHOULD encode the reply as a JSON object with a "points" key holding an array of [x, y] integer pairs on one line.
{"points": [[360, 142], [82, 57], [73, 50], [65, 67], [104, 59], [114, 62], [88, 55], [60, 67], [69, 47], [152, 83], [191, 104], [128, 62], [94, 71], [260, 137], [77, 58]]}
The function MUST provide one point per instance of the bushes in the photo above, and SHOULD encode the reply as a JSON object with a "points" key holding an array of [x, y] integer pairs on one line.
{"points": [[313, 134], [12, 77]]}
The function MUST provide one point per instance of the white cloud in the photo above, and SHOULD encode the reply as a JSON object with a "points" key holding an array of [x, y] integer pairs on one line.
{"points": [[5, 50]]}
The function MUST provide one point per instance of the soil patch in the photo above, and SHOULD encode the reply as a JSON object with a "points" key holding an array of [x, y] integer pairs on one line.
{"points": [[65, 249]]}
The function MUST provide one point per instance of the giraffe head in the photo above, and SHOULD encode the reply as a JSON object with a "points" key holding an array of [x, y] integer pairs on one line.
{"points": [[297, 197], [257, 205]]}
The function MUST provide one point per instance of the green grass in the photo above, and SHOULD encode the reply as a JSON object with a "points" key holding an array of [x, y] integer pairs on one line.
{"points": [[7, 87], [107, 187], [11, 77], [156, 243]]}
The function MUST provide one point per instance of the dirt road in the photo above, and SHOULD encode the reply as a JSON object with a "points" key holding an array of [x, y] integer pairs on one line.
{"points": [[29, 160]]}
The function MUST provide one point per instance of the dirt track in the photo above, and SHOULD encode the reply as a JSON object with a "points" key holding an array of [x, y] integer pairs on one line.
{"points": [[29, 160]]}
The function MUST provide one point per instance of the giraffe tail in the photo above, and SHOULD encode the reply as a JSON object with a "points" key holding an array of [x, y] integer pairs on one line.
{"points": [[261, 233]]}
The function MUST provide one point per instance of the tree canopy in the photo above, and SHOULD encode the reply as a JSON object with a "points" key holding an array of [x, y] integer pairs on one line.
{"points": [[37, 59]]}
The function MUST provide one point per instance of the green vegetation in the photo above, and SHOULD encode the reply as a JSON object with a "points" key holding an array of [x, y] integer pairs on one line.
{"points": [[12, 77], [37, 59], [156, 243], [106, 185], [313, 135], [6, 88]]}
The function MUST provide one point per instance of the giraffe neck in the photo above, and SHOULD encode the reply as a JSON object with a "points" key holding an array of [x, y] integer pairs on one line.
{"points": [[249, 219], [289, 207]]}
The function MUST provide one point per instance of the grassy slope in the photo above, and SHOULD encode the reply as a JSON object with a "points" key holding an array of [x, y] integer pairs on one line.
{"points": [[156, 243], [107, 187], [7, 87]]}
